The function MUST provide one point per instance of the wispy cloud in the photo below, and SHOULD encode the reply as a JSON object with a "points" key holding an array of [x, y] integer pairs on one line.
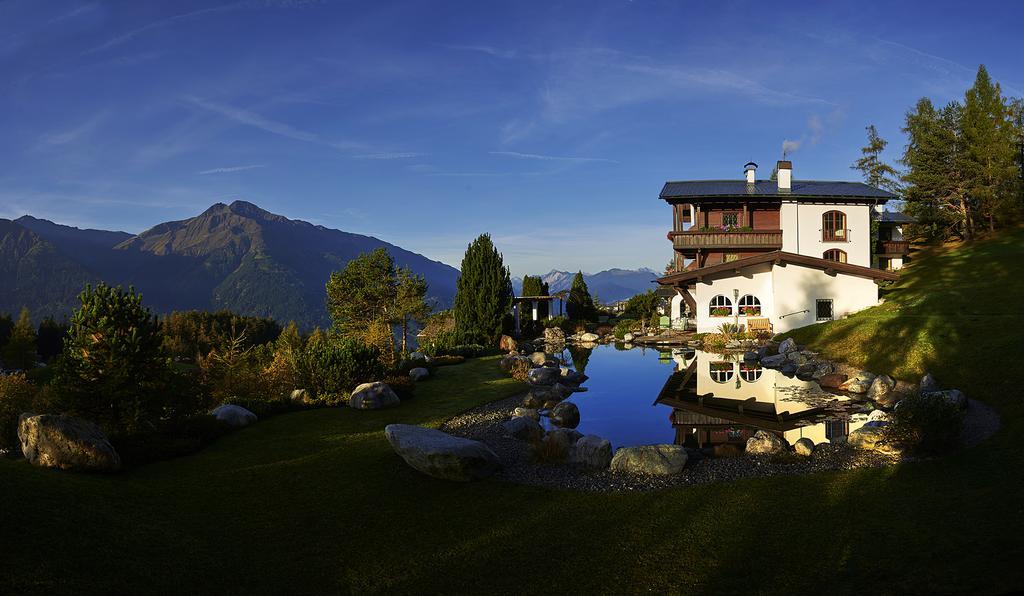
{"points": [[67, 137], [393, 155], [483, 49], [188, 16], [231, 169], [254, 120], [85, 8], [537, 156]]}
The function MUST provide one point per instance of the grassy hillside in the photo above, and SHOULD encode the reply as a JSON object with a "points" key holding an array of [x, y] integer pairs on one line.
{"points": [[317, 501]]}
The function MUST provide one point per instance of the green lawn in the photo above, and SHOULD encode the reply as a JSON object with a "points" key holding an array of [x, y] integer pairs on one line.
{"points": [[317, 501]]}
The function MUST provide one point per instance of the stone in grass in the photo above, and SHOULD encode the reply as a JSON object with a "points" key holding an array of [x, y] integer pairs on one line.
{"points": [[419, 373], [523, 428], [373, 396], [66, 443], [765, 443], [804, 447], [592, 451], [300, 397], [233, 415], [871, 438], [659, 460], [441, 455], [531, 413], [565, 415]]}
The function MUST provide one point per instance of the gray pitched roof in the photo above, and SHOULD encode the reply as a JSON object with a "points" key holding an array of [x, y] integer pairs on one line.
{"points": [[895, 217], [769, 188]]}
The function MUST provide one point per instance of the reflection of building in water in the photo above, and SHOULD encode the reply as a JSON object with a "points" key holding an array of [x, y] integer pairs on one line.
{"points": [[722, 399]]}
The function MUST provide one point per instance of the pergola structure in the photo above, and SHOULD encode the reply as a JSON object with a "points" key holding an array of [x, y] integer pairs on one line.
{"points": [[534, 302]]}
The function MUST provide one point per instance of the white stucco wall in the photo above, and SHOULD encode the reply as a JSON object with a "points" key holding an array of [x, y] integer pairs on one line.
{"points": [[801, 231], [797, 288], [754, 280], [785, 290]]}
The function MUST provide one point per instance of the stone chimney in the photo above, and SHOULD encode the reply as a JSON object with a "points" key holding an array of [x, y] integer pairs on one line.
{"points": [[750, 170], [785, 175]]}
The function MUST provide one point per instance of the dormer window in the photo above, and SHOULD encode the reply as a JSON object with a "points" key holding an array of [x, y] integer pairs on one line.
{"points": [[833, 227], [839, 256]]}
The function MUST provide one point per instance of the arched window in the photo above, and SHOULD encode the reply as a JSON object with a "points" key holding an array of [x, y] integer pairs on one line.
{"points": [[839, 256], [720, 306], [750, 372], [833, 227], [721, 372], [750, 306]]}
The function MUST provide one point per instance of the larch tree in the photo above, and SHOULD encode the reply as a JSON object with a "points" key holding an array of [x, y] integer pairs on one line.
{"points": [[20, 351], [361, 299], [483, 296], [990, 167], [876, 172]]}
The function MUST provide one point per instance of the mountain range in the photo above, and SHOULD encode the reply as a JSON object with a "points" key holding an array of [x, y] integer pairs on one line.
{"points": [[608, 286], [237, 257]]}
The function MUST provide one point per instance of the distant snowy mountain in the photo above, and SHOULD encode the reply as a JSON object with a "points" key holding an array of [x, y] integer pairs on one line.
{"points": [[609, 286]]}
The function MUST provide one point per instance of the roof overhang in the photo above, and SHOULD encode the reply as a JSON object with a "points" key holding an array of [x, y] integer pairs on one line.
{"points": [[776, 257]]}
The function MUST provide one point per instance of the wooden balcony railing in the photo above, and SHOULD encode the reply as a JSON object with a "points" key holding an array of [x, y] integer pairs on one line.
{"points": [[768, 239], [893, 247]]}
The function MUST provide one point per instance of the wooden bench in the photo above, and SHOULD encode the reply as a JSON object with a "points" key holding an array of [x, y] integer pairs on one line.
{"points": [[758, 324]]}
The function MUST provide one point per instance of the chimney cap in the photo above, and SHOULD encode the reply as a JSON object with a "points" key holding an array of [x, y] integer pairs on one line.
{"points": [[785, 165], [749, 166]]}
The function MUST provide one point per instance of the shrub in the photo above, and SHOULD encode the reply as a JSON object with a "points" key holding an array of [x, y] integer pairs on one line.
{"points": [[17, 396], [622, 327], [329, 366], [244, 373], [925, 425], [169, 440]]}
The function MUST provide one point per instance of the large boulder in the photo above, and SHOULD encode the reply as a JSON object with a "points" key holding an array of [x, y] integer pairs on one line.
{"points": [[593, 452], [507, 344], [928, 384], [660, 460], [523, 428], [565, 415], [775, 361], [531, 413], [871, 437], [544, 376], [832, 380], [804, 447], [822, 368], [798, 358], [441, 455], [233, 415], [539, 358], [373, 396], [590, 337], [856, 385], [554, 335], [879, 416], [788, 345], [765, 443], [881, 390], [509, 362], [419, 357], [66, 443], [419, 373], [561, 391], [537, 397]]}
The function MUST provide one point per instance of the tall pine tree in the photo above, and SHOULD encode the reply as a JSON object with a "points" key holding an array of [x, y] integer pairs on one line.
{"points": [[989, 161], [483, 296], [580, 305], [20, 351], [876, 172]]}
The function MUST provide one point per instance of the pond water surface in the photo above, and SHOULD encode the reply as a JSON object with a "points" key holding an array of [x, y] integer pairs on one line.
{"points": [[645, 396]]}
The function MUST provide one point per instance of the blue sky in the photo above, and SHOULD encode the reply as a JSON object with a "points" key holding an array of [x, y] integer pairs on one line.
{"points": [[551, 125]]}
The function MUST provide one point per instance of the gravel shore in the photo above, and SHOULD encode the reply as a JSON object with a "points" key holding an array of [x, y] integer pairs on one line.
{"points": [[484, 424]]}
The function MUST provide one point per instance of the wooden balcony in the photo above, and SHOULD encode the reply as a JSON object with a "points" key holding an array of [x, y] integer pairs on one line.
{"points": [[726, 239], [892, 248]]}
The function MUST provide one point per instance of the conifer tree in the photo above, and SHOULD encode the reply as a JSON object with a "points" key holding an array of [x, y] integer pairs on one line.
{"points": [[935, 192], [6, 326], [114, 370], [361, 299], [50, 338], [580, 305], [411, 303], [989, 160], [20, 351], [876, 172], [483, 295]]}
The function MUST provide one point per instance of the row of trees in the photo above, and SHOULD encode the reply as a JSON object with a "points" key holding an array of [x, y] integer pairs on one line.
{"points": [[964, 162], [22, 344]]}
